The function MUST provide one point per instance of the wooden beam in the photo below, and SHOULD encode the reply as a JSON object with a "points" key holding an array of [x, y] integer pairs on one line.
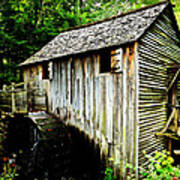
{"points": [[173, 80], [169, 121], [176, 120], [170, 146], [173, 106], [169, 135], [173, 66]]}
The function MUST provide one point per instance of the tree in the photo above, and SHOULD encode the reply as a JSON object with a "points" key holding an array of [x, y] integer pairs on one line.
{"points": [[27, 25], [177, 10]]}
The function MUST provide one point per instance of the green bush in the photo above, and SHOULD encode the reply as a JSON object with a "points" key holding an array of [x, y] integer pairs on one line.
{"points": [[160, 167], [109, 174]]}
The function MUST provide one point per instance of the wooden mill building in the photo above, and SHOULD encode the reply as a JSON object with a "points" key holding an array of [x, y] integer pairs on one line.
{"points": [[112, 79]]}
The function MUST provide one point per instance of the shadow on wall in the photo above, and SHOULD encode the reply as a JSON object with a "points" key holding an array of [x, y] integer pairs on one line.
{"points": [[58, 152]]}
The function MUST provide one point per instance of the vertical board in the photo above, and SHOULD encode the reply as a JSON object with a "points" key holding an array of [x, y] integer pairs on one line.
{"points": [[68, 82], [81, 93], [125, 111], [109, 108], [135, 101], [55, 95], [64, 89], [59, 85], [97, 102]]}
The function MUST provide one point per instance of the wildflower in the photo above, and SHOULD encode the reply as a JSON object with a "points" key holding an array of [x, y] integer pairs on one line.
{"points": [[13, 165], [174, 178], [5, 159], [49, 130], [11, 161]]}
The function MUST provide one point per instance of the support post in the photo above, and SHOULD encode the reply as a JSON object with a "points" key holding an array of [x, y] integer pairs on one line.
{"points": [[13, 98], [4, 87], [170, 146]]}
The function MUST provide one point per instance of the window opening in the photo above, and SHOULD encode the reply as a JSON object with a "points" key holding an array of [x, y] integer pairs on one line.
{"points": [[45, 72], [105, 61], [111, 61]]}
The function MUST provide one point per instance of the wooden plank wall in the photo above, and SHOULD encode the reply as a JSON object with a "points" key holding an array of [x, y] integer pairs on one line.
{"points": [[102, 105], [157, 49], [172, 73], [33, 78]]}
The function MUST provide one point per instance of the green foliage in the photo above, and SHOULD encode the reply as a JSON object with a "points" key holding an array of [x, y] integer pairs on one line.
{"points": [[177, 10], [109, 174], [27, 25], [160, 167], [104, 10]]}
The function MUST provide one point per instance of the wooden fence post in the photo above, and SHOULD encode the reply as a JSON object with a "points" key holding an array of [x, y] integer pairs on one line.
{"points": [[26, 92], [4, 87], [13, 97]]}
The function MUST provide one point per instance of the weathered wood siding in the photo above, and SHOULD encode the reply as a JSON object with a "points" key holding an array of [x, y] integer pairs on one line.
{"points": [[102, 105], [157, 49], [33, 78], [32, 73]]}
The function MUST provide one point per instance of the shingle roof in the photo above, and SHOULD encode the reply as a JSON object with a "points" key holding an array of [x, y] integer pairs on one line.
{"points": [[110, 32]]}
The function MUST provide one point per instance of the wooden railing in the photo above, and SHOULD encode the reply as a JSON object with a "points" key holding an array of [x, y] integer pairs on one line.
{"points": [[22, 98]]}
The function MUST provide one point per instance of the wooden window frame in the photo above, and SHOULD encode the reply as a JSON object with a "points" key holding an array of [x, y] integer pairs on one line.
{"points": [[111, 61]]}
